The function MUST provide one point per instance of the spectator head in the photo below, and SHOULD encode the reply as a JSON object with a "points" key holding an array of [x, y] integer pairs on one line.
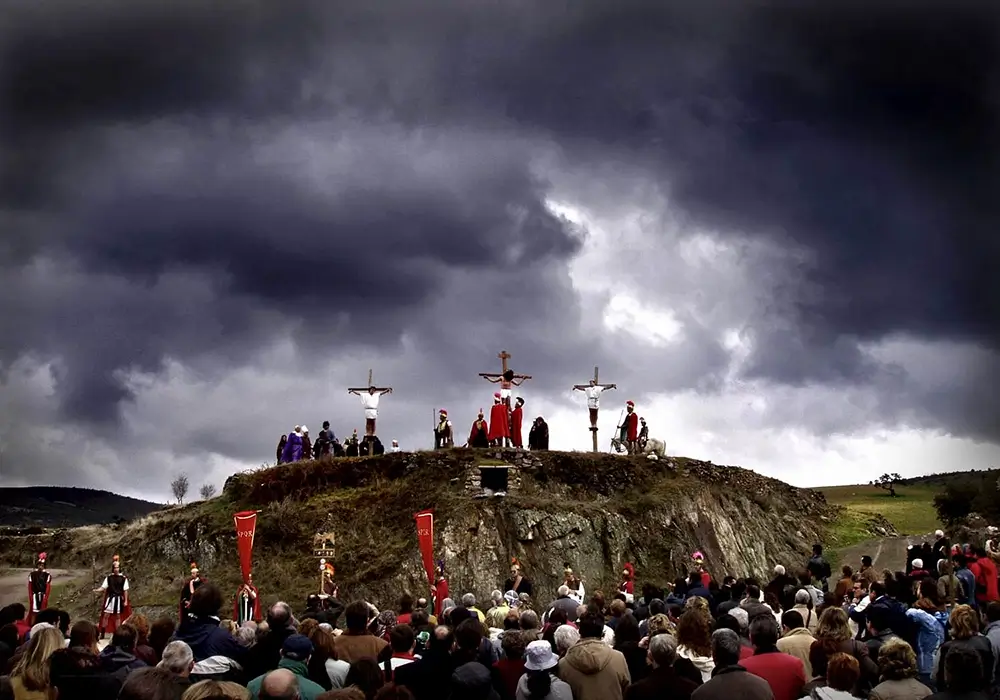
{"points": [[419, 619], [442, 639], [366, 675], [324, 646], [297, 647], [866, 561], [513, 644], [792, 620], [694, 578], [963, 670], [659, 624], [468, 600], [206, 601], [460, 615], [993, 612], [141, 624], [753, 591], [742, 617], [405, 604], [14, 612], [387, 692], [469, 635], [878, 619], [150, 684], [124, 638], [833, 626], [216, 690], [565, 637], [817, 550], [177, 659], [657, 607], [9, 635], [627, 630], [964, 622], [618, 608], [529, 620], [779, 570], [728, 622], [83, 634], [279, 616], [592, 625], [563, 591], [802, 597], [356, 617], [662, 651], [34, 665], [843, 672], [847, 571], [918, 563], [512, 621], [694, 631], [160, 633], [497, 598], [422, 603], [896, 661], [764, 632], [313, 602], [725, 648], [402, 639], [279, 685]]}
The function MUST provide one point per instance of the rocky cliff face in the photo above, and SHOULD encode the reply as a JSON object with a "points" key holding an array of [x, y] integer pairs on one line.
{"points": [[593, 512]]}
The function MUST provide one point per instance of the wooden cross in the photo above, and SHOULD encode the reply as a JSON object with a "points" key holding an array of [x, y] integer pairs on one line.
{"points": [[593, 416], [378, 389], [504, 370]]}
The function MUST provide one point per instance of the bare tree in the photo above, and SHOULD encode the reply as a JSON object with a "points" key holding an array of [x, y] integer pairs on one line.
{"points": [[207, 491], [180, 486]]}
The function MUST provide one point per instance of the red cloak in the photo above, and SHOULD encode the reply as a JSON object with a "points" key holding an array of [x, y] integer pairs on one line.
{"points": [[440, 593], [515, 427], [498, 422], [477, 426], [632, 425], [256, 604]]}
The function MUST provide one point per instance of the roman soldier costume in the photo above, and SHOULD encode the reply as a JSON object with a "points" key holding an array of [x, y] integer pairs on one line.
{"points": [[190, 586], [443, 435], [479, 435], [39, 588], [246, 607], [440, 590], [328, 586], [499, 432], [643, 433], [631, 428], [115, 608], [517, 582], [628, 584], [516, 419]]}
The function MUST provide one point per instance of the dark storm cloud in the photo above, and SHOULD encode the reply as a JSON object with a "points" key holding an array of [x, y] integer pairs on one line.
{"points": [[153, 219]]}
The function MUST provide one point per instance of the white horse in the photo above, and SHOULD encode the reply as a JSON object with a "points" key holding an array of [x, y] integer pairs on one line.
{"points": [[655, 449]]}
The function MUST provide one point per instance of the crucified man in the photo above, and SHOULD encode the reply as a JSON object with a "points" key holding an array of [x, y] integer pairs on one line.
{"points": [[506, 379], [593, 391], [369, 401]]}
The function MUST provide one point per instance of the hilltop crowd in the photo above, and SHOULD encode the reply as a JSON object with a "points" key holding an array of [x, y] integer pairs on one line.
{"points": [[932, 630]]}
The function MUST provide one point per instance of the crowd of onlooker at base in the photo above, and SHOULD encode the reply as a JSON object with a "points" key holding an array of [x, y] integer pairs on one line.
{"points": [[932, 630]]}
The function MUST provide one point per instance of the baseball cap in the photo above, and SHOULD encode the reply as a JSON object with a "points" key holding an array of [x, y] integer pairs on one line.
{"points": [[297, 647]]}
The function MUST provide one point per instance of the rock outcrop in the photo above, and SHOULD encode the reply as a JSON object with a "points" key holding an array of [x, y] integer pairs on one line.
{"points": [[592, 511]]}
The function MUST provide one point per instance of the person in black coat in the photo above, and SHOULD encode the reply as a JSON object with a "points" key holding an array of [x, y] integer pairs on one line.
{"points": [[663, 680]]}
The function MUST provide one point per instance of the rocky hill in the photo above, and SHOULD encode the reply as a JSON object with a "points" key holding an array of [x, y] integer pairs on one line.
{"points": [[56, 506], [594, 512]]}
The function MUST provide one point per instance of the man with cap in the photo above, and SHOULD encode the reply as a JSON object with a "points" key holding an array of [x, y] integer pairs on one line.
{"points": [[499, 434], [631, 428], [292, 669], [443, 435]]}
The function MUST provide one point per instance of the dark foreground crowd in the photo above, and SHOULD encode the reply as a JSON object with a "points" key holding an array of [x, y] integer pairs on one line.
{"points": [[929, 631]]}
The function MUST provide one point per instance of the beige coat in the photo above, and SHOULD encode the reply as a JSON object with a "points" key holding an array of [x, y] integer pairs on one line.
{"points": [[805, 612], [796, 643], [906, 689], [595, 671]]}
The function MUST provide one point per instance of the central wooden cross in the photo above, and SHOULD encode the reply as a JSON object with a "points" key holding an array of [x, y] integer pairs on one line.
{"points": [[505, 372]]}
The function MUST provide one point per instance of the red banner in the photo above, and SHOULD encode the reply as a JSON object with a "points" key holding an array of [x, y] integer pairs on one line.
{"points": [[425, 536], [246, 525]]}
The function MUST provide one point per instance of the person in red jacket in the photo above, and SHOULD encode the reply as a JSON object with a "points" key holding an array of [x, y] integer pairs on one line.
{"points": [[986, 578], [628, 584], [440, 590], [631, 428], [516, 418], [499, 427], [785, 673]]}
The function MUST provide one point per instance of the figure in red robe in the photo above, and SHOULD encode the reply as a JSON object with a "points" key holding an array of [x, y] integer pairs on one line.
{"points": [[516, 417], [499, 428], [628, 583], [440, 590], [479, 436], [39, 588], [115, 608], [246, 606], [631, 428]]}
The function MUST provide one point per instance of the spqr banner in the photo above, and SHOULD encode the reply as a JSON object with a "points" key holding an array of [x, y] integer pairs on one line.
{"points": [[425, 536], [246, 526]]}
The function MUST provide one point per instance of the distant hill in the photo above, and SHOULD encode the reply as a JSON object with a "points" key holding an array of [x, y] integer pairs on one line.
{"points": [[950, 478], [57, 506]]}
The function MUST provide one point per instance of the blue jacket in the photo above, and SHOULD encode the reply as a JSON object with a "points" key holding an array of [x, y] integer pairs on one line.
{"points": [[930, 636], [205, 638]]}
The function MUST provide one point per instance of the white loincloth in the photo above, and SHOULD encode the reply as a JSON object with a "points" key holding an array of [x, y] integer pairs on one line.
{"points": [[593, 396], [370, 404], [505, 394]]}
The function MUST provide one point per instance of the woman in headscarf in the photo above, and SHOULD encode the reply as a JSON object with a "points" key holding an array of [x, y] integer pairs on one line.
{"points": [[384, 624]]}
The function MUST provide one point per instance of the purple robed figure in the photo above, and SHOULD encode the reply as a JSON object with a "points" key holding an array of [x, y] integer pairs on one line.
{"points": [[293, 448]]}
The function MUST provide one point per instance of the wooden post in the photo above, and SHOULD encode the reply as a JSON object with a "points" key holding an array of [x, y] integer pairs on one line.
{"points": [[379, 390]]}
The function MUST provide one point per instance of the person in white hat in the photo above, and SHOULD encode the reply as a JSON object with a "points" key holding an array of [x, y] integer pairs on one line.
{"points": [[539, 680]]}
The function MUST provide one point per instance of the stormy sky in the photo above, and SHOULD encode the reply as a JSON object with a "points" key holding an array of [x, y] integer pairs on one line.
{"points": [[772, 224]]}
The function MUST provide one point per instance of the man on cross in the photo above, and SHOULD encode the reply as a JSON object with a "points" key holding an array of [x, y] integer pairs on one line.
{"points": [[507, 379], [369, 401], [593, 391]]}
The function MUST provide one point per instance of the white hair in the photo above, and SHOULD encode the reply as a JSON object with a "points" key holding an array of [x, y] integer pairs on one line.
{"points": [[468, 600], [177, 657], [918, 563], [497, 596], [939, 533], [565, 636], [563, 590], [779, 570]]}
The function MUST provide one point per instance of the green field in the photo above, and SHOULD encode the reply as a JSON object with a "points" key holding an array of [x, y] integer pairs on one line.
{"points": [[911, 511]]}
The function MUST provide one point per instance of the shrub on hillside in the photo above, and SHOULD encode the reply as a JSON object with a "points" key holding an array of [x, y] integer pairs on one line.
{"points": [[974, 492]]}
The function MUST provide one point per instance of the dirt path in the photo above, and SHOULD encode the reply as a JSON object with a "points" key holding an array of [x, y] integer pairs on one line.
{"points": [[14, 583], [886, 553]]}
